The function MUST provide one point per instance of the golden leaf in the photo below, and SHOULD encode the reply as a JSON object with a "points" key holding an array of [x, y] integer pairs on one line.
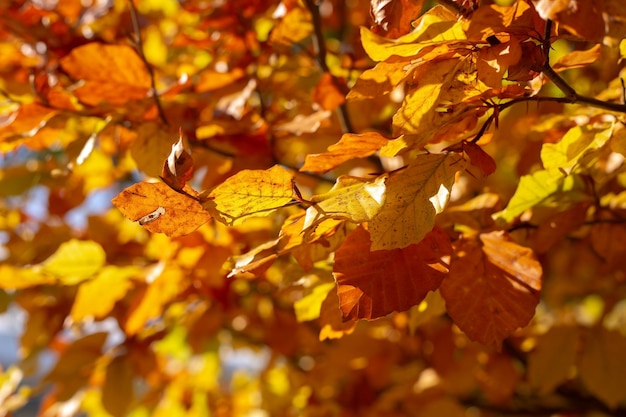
{"points": [[252, 193], [414, 197]]}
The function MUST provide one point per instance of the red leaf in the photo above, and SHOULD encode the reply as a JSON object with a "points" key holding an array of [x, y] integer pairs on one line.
{"points": [[373, 284]]}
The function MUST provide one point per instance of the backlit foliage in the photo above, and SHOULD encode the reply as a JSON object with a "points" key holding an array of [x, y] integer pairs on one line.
{"points": [[394, 207]]}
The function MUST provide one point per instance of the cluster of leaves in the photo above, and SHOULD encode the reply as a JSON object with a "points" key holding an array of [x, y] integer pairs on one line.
{"points": [[284, 173]]}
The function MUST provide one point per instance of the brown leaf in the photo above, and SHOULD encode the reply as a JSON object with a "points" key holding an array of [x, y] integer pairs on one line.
{"points": [[373, 284], [350, 146], [602, 366], [160, 209], [178, 167], [111, 73], [479, 158], [492, 289], [393, 18]]}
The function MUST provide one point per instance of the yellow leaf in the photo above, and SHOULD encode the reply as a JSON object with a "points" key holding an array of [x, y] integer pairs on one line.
{"points": [[150, 304], [579, 141], [75, 261], [252, 192], [536, 189], [414, 196], [350, 146], [309, 307], [351, 198], [96, 298], [436, 26], [435, 106], [12, 278], [379, 80], [160, 209]]}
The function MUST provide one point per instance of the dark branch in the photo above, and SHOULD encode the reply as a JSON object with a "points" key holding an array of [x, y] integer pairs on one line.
{"points": [[139, 46]]}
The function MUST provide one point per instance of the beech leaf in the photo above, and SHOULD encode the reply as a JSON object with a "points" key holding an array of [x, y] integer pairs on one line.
{"points": [[252, 192], [372, 284], [112, 73], [414, 197], [160, 209], [354, 199], [75, 261], [350, 146], [504, 280]]}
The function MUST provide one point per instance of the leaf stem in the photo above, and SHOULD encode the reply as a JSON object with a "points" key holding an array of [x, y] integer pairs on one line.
{"points": [[139, 46]]}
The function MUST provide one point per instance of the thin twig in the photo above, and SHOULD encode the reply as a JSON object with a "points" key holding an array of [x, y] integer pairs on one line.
{"points": [[319, 47], [139, 46]]}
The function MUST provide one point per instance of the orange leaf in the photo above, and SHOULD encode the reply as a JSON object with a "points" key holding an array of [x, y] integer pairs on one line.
{"points": [[577, 59], [492, 289], [394, 18], [160, 209], [112, 73], [327, 93], [479, 158], [373, 284], [350, 146]]}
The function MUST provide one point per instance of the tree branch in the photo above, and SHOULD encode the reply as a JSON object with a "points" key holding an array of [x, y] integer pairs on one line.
{"points": [[139, 46], [319, 47]]}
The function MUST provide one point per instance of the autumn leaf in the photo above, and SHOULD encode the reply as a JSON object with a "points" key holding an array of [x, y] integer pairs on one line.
{"points": [[550, 363], [151, 301], [504, 280], [351, 198], [372, 284], [309, 307], [160, 209], [394, 18], [117, 390], [71, 371], [414, 197], [578, 59], [434, 27], [479, 158], [350, 146], [328, 93], [97, 297], [602, 368], [75, 261], [252, 193], [111, 73]]}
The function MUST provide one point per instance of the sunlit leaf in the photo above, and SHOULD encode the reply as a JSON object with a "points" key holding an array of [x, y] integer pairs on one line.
{"points": [[96, 298], [309, 306], [394, 18], [414, 197], [149, 304], [438, 25], [112, 73], [577, 142], [351, 198], [160, 209], [577, 59], [350, 146], [75, 261], [253, 193], [504, 280], [533, 190], [372, 284]]}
